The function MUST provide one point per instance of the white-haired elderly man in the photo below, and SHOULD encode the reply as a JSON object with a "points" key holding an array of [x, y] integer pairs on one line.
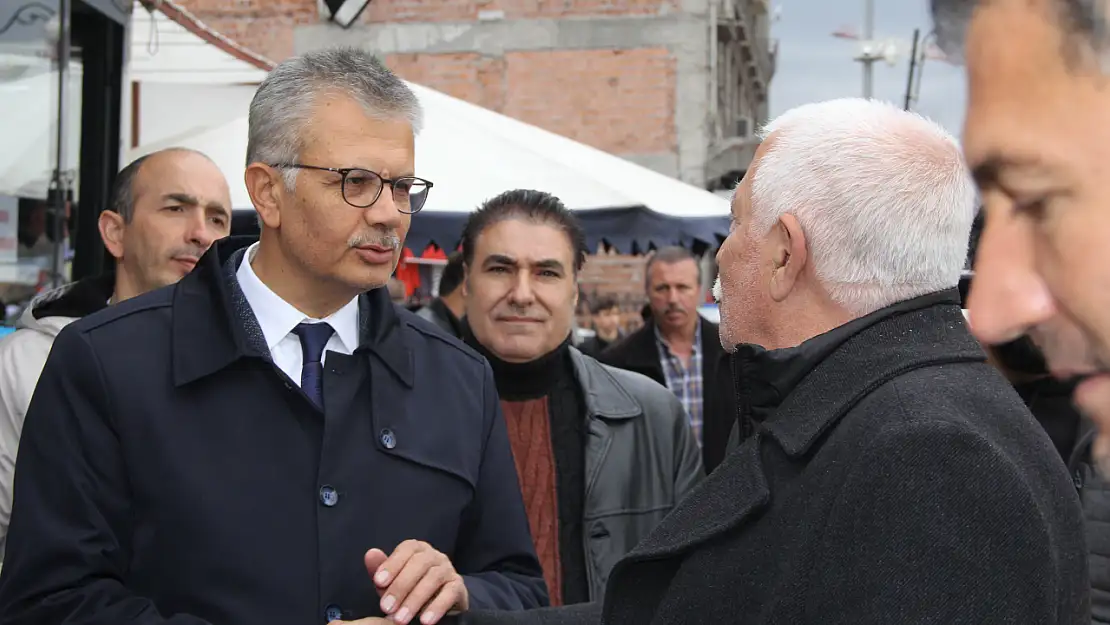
{"points": [[271, 440], [887, 473]]}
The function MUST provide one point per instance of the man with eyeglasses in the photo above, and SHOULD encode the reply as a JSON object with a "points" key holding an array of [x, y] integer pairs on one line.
{"points": [[272, 440]]}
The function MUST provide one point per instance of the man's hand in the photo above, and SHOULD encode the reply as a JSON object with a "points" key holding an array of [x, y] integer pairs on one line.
{"points": [[416, 579]]}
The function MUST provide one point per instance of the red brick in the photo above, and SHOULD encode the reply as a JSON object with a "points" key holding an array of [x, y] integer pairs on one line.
{"points": [[385, 11], [621, 101], [262, 26]]}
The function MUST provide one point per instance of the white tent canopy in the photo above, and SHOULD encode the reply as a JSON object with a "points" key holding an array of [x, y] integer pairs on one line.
{"points": [[472, 154]]}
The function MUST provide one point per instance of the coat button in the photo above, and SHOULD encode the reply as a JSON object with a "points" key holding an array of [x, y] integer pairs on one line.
{"points": [[328, 496], [333, 613], [389, 439]]}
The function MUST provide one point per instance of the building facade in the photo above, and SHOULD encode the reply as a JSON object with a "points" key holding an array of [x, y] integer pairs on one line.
{"points": [[678, 86]]}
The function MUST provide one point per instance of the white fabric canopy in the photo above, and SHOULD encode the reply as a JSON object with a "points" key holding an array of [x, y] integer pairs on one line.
{"points": [[472, 154]]}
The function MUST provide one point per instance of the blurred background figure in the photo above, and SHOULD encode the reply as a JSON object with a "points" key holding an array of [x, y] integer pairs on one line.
{"points": [[606, 317], [397, 292], [447, 309]]}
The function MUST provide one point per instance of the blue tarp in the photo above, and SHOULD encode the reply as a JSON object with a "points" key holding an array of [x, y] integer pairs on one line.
{"points": [[629, 230]]}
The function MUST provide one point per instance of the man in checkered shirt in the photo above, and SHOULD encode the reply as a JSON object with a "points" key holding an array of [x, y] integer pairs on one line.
{"points": [[680, 349]]}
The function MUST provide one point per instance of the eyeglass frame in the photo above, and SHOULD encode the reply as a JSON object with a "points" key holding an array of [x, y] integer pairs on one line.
{"points": [[345, 171]]}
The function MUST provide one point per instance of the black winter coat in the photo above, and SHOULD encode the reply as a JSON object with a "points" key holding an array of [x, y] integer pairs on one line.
{"points": [[903, 481], [170, 473]]}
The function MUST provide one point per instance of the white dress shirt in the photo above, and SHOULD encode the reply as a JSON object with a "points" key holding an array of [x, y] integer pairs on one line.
{"points": [[278, 318]]}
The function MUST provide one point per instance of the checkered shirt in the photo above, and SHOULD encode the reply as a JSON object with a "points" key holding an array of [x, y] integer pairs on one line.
{"points": [[684, 381]]}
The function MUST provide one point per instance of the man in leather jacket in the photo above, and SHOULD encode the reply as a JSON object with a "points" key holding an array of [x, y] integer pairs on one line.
{"points": [[602, 454]]}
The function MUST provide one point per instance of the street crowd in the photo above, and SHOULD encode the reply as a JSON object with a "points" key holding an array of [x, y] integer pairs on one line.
{"points": [[230, 430]]}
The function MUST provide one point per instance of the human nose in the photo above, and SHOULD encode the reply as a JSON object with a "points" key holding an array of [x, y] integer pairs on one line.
{"points": [[522, 294], [383, 212], [1008, 297], [201, 232]]}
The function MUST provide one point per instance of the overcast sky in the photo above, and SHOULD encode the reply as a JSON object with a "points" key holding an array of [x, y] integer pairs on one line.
{"points": [[813, 65]]}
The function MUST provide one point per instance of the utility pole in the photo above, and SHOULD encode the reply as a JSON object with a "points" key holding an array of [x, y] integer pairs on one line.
{"points": [[869, 54]]}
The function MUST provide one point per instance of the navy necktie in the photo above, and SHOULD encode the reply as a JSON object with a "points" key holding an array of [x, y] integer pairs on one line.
{"points": [[314, 337]]}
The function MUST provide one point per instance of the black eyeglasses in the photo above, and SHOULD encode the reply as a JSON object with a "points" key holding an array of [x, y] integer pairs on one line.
{"points": [[362, 187]]}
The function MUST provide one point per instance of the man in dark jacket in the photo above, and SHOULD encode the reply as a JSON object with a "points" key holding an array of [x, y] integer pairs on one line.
{"points": [[681, 350], [603, 454], [271, 440], [447, 308], [891, 474]]}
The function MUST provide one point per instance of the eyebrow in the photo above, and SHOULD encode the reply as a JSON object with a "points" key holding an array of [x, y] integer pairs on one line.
{"points": [[501, 259], [191, 200], [988, 171]]}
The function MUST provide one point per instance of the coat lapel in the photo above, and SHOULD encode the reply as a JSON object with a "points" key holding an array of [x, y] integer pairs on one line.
{"points": [[929, 335], [736, 491]]}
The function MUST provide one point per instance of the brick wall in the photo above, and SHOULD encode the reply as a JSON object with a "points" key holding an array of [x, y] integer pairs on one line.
{"points": [[619, 275], [380, 11], [262, 26], [620, 101]]}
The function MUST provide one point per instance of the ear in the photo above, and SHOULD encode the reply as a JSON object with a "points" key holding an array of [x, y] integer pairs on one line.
{"points": [[788, 243], [111, 226], [266, 186], [466, 281], [576, 292]]}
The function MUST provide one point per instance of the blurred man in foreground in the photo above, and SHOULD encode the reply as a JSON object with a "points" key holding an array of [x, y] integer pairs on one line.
{"points": [[1037, 138], [166, 209]]}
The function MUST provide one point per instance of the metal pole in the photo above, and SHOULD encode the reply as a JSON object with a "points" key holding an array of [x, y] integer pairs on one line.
{"points": [[868, 38], [60, 180], [913, 68]]}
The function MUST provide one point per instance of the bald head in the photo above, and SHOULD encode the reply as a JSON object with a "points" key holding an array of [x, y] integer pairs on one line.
{"points": [[167, 208], [142, 174]]}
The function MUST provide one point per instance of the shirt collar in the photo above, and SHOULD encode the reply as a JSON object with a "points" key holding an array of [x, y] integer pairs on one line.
{"points": [[662, 342], [277, 317]]}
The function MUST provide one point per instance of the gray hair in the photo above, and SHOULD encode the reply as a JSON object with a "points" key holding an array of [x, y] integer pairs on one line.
{"points": [[284, 102], [1085, 22]]}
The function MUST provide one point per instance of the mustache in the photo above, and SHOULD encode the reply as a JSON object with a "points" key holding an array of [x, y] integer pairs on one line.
{"points": [[717, 290], [377, 239]]}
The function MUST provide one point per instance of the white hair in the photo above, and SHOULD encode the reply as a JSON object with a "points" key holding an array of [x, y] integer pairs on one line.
{"points": [[883, 196]]}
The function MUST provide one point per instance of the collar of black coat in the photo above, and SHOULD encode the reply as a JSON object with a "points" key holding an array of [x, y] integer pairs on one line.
{"points": [[908, 335], [924, 332], [213, 326], [766, 377]]}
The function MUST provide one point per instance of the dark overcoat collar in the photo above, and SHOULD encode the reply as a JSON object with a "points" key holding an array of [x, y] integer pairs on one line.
{"points": [[928, 331], [212, 325]]}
